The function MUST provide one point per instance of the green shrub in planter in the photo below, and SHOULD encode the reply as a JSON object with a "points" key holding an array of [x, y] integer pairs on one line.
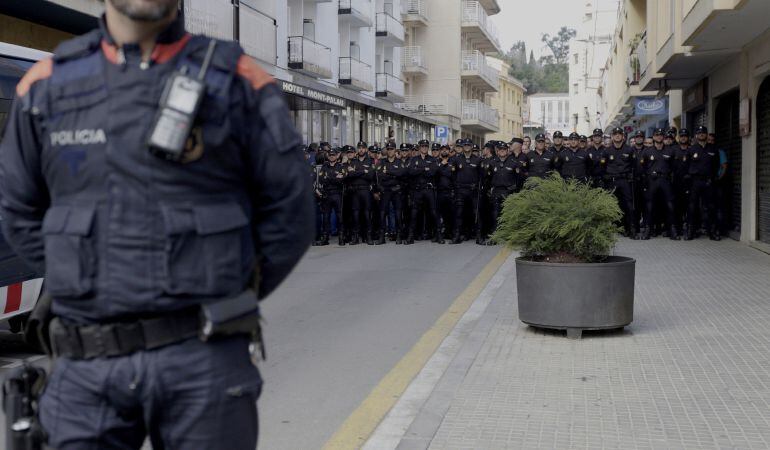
{"points": [[559, 220]]}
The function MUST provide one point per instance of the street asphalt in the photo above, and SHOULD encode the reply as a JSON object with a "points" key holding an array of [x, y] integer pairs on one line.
{"points": [[336, 327]]}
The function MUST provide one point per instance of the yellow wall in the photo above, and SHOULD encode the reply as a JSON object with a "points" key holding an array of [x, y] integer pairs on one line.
{"points": [[27, 34]]}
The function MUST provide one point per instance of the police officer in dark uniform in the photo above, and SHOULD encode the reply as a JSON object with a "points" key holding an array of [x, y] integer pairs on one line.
{"points": [[504, 172], [332, 179], [597, 159], [681, 180], [703, 170], [360, 177], [135, 245], [467, 173], [423, 170], [640, 180], [445, 191], [541, 161], [558, 143], [390, 174], [658, 161], [573, 162], [518, 154], [619, 176]]}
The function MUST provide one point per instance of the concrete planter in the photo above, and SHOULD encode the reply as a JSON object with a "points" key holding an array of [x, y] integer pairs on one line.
{"points": [[576, 297]]}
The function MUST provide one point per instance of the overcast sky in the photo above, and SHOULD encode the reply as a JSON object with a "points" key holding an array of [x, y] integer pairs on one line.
{"points": [[526, 20]]}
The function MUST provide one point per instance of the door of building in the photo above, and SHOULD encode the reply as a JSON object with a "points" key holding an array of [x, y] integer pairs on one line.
{"points": [[729, 140], [763, 162]]}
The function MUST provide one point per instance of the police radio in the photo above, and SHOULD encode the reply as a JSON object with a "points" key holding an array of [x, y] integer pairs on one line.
{"points": [[179, 105]]}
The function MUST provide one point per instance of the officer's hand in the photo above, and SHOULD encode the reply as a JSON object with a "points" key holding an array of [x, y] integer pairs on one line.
{"points": [[339, 175]]}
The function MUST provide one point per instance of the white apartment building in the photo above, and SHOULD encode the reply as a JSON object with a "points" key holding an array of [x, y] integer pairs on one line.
{"points": [[444, 60], [589, 51], [338, 61], [548, 112]]}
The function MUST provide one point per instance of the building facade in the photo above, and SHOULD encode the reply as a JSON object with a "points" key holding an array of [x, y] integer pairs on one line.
{"points": [[508, 101], [548, 113], [709, 61], [339, 62], [446, 67], [589, 51]]}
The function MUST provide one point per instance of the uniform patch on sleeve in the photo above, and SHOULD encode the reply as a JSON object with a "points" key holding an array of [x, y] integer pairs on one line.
{"points": [[39, 71]]}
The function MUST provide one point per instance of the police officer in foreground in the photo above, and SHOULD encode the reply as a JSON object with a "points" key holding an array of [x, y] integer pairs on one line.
{"points": [[445, 192], [640, 180], [390, 174], [467, 173], [423, 169], [681, 180], [360, 177], [332, 178], [597, 158], [573, 162], [619, 176], [558, 143], [541, 161], [703, 170], [658, 161], [139, 234], [503, 172]]}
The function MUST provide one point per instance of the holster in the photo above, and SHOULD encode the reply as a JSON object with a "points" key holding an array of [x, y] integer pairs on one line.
{"points": [[21, 389], [237, 315]]}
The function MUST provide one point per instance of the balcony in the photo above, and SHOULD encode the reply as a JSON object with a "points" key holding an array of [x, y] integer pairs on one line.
{"points": [[479, 117], [356, 12], [390, 87], [355, 74], [412, 61], [637, 60], [310, 57], [414, 12], [477, 26], [475, 71], [389, 30], [258, 34], [431, 105]]}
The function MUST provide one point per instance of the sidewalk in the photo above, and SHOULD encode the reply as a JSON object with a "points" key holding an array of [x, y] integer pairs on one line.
{"points": [[692, 371]]}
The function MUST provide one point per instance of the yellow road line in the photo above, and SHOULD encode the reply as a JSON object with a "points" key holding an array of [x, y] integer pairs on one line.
{"points": [[364, 420]]}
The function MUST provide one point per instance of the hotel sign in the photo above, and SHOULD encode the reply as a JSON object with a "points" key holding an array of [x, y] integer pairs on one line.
{"points": [[312, 94]]}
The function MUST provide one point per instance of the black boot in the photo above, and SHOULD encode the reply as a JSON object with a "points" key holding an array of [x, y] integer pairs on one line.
{"points": [[456, 239], [356, 240], [369, 240], [672, 234], [341, 240], [438, 239], [325, 239], [645, 234], [715, 236], [409, 239], [381, 241]]}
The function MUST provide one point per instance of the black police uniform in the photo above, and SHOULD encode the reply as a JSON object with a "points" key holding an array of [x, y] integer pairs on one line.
{"points": [[423, 171], [467, 173], [703, 170], [658, 163], [332, 180], [573, 164], [406, 192], [541, 164], [640, 188], [391, 176], [131, 244], [619, 175], [681, 185], [597, 164], [360, 177], [503, 178], [445, 196]]}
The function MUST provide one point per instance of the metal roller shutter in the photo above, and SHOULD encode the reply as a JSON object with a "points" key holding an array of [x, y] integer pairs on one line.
{"points": [[763, 162], [729, 139]]}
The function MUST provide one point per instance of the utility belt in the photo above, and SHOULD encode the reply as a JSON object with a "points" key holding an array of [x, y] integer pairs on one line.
{"points": [[234, 316], [361, 188], [422, 187], [614, 178], [394, 188], [472, 187], [656, 175]]}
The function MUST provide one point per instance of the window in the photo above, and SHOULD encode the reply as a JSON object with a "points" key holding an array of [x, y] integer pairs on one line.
{"points": [[575, 88], [576, 58]]}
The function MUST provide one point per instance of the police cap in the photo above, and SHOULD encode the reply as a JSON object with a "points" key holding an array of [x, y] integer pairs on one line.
{"points": [[573, 135], [334, 150], [517, 140], [684, 132], [598, 132], [618, 130], [362, 144], [423, 143], [557, 134], [701, 129], [540, 138], [435, 146], [460, 142], [348, 148], [405, 146], [445, 146], [639, 134], [583, 138], [489, 144], [374, 148], [501, 144], [476, 147], [390, 145], [467, 142], [658, 132]]}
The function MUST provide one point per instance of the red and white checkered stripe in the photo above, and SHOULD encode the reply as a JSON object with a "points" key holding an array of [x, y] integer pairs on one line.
{"points": [[19, 298]]}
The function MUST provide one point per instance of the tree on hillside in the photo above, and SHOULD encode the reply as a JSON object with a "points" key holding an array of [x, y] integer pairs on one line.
{"points": [[559, 44]]}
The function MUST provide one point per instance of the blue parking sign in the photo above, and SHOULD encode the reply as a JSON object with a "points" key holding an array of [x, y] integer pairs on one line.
{"points": [[442, 134]]}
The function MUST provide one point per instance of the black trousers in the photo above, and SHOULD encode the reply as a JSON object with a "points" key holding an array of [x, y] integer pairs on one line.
{"points": [[499, 194], [423, 199], [388, 199], [701, 200], [360, 208], [625, 195], [466, 205], [331, 202], [659, 193], [445, 205], [681, 188]]}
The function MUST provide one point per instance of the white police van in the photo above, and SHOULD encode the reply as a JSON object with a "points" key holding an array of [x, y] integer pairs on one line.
{"points": [[19, 287]]}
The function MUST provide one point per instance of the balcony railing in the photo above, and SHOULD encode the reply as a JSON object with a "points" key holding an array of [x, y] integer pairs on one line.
{"points": [[476, 111], [357, 11], [415, 11], [355, 74], [431, 105], [390, 27], [475, 15], [258, 34], [310, 57], [474, 63], [389, 85], [412, 60]]}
